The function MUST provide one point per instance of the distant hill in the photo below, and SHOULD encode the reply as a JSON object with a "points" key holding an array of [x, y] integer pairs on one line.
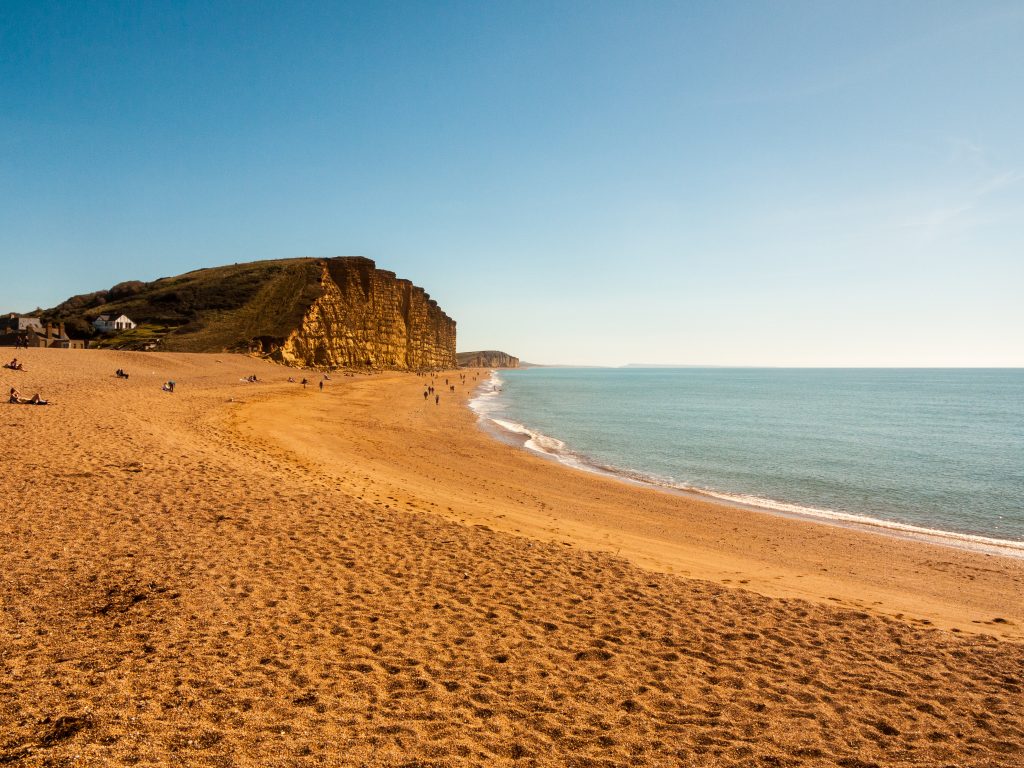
{"points": [[487, 359], [327, 313]]}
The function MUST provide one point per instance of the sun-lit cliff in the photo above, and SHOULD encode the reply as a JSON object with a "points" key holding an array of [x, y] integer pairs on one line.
{"points": [[327, 313]]}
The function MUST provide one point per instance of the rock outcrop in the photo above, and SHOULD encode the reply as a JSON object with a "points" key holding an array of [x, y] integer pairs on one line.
{"points": [[325, 313], [487, 359], [368, 318]]}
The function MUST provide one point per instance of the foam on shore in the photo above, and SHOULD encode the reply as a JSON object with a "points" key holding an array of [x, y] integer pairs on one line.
{"points": [[487, 404]]}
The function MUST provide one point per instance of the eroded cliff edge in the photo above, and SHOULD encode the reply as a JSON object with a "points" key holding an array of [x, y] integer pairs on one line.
{"points": [[487, 359], [325, 313], [369, 318]]}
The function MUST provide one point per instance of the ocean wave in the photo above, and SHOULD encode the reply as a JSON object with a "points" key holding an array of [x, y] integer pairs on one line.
{"points": [[974, 541], [485, 399], [488, 406]]}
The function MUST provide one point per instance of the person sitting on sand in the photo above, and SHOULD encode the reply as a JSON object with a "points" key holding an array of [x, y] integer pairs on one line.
{"points": [[17, 399], [14, 365], [169, 386]]}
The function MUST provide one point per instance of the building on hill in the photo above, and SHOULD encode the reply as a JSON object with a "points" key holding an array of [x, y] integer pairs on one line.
{"points": [[15, 323], [326, 313], [112, 323], [50, 336]]}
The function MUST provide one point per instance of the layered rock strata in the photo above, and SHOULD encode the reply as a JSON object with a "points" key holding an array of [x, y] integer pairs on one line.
{"points": [[369, 318], [487, 359]]}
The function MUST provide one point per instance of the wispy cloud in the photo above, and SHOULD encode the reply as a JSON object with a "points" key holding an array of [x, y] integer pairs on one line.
{"points": [[959, 215], [819, 81], [964, 149]]}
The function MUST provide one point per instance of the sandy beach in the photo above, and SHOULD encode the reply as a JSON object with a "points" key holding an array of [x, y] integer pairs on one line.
{"points": [[257, 574]]}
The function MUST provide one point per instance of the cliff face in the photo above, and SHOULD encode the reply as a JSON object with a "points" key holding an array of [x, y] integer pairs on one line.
{"points": [[487, 359], [368, 318], [325, 313]]}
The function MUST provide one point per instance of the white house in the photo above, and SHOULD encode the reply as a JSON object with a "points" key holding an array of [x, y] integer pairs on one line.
{"points": [[111, 323]]}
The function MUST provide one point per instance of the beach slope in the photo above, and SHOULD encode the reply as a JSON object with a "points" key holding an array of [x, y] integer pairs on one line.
{"points": [[259, 574]]}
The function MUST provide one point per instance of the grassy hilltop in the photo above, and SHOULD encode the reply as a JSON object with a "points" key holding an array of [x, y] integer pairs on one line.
{"points": [[206, 310]]}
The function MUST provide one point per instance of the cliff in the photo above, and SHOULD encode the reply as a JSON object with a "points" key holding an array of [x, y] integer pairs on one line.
{"points": [[487, 359], [324, 313]]}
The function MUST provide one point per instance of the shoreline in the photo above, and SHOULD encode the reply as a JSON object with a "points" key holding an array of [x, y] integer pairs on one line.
{"points": [[523, 436], [497, 484]]}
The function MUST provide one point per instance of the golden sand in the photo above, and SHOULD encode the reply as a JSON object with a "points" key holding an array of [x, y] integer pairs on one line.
{"points": [[261, 575]]}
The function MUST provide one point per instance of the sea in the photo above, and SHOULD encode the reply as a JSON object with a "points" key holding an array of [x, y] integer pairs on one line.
{"points": [[936, 453]]}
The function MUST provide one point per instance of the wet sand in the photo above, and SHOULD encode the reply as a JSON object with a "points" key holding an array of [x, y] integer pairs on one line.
{"points": [[362, 577]]}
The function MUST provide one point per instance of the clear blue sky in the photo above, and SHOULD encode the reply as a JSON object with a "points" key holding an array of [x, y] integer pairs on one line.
{"points": [[786, 183]]}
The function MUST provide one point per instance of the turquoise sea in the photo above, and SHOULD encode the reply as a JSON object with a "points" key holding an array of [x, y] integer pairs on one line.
{"points": [[912, 450]]}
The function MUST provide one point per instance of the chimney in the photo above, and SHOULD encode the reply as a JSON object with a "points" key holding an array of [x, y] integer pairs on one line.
{"points": [[60, 330], [49, 331]]}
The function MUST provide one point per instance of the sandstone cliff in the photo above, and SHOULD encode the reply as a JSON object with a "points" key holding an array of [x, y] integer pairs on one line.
{"points": [[325, 313], [369, 318], [487, 359]]}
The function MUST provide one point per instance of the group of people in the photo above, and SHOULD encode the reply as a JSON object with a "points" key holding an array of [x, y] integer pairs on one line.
{"points": [[168, 386], [305, 382], [429, 390]]}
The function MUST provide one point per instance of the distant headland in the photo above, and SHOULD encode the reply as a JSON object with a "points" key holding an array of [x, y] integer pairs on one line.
{"points": [[487, 359]]}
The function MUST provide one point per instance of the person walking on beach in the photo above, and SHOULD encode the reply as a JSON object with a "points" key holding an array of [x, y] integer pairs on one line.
{"points": [[304, 383], [437, 399], [321, 386]]}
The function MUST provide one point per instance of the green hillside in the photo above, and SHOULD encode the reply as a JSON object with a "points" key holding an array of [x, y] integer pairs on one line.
{"points": [[207, 310]]}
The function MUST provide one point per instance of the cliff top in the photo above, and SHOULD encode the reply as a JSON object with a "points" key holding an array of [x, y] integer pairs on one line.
{"points": [[215, 308]]}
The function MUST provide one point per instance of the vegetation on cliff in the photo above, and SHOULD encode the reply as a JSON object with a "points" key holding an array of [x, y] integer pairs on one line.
{"points": [[329, 313]]}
